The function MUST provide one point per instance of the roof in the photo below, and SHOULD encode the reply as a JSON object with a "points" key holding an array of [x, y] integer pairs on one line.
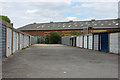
{"points": [[6, 23], [110, 23], [114, 31], [10, 25]]}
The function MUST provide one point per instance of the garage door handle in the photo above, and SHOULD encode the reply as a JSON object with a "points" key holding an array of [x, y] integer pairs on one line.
{"points": [[8, 47]]}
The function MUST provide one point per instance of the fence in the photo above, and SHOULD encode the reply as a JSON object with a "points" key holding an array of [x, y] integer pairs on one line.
{"points": [[105, 41], [66, 40], [12, 40]]}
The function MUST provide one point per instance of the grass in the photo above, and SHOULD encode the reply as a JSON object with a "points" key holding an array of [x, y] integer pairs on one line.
{"points": [[25, 48]]}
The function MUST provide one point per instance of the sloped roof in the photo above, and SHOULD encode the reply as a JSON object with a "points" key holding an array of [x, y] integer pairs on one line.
{"points": [[111, 23]]}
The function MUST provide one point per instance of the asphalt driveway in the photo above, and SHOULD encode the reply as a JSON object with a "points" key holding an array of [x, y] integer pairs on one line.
{"points": [[58, 61]]}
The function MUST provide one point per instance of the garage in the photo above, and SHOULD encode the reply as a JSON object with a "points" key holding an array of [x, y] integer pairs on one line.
{"points": [[85, 41], [104, 42], [35, 40], [78, 41], [81, 41], [0, 41], [115, 43], [17, 37], [96, 42], [67, 40], [21, 41], [9, 42], [24, 41], [14, 41], [72, 40], [90, 41], [3, 41]]}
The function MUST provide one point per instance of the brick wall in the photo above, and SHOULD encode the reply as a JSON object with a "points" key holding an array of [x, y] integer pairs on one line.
{"points": [[45, 32], [66, 32]]}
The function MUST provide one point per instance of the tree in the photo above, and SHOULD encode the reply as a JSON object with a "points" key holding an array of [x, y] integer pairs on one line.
{"points": [[62, 35], [5, 18], [47, 39], [55, 38], [42, 41], [75, 33]]}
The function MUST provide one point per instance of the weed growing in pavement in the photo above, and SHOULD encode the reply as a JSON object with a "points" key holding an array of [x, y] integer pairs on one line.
{"points": [[25, 48]]}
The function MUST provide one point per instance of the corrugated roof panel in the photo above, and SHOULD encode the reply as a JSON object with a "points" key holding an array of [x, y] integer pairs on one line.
{"points": [[113, 23]]}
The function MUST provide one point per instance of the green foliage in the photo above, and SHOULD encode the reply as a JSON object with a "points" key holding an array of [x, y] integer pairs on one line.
{"points": [[47, 39], [25, 48], [42, 41], [75, 33], [62, 35], [55, 38], [5, 18], [91, 31]]}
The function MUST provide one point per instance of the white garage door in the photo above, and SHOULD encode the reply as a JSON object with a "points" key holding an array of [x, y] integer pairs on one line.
{"points": [[90, 42], [96, 42], [9, 41], [78, 42], [114, 43], [81, 41], [85, 41], [17, 41], [14, 42], [21, 41]]}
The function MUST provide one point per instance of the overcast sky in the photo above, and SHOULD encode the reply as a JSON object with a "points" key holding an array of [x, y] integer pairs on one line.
{"points": [[25, 12]]}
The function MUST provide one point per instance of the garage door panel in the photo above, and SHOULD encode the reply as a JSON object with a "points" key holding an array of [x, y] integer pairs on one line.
{"points": [[96, 42], [85, 41], [90, 42], [104, 42], [81, 41], [9, 42], [114, 43], [3, 41]]}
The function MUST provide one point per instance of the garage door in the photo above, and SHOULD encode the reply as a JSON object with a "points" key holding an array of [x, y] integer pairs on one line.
{"points": [[17, 40], [0, 41], [115, 43], [3, 41], [78, 41], [20, 41], [96, 42], [104, 42], [67, 40], [14, 42], [85, 41], [24, 41], [81, 41], [74, 40], [9, 41], [90, 42]]}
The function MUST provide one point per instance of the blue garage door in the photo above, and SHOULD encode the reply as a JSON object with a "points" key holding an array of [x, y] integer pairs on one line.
{"points": [[104, 42]]}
